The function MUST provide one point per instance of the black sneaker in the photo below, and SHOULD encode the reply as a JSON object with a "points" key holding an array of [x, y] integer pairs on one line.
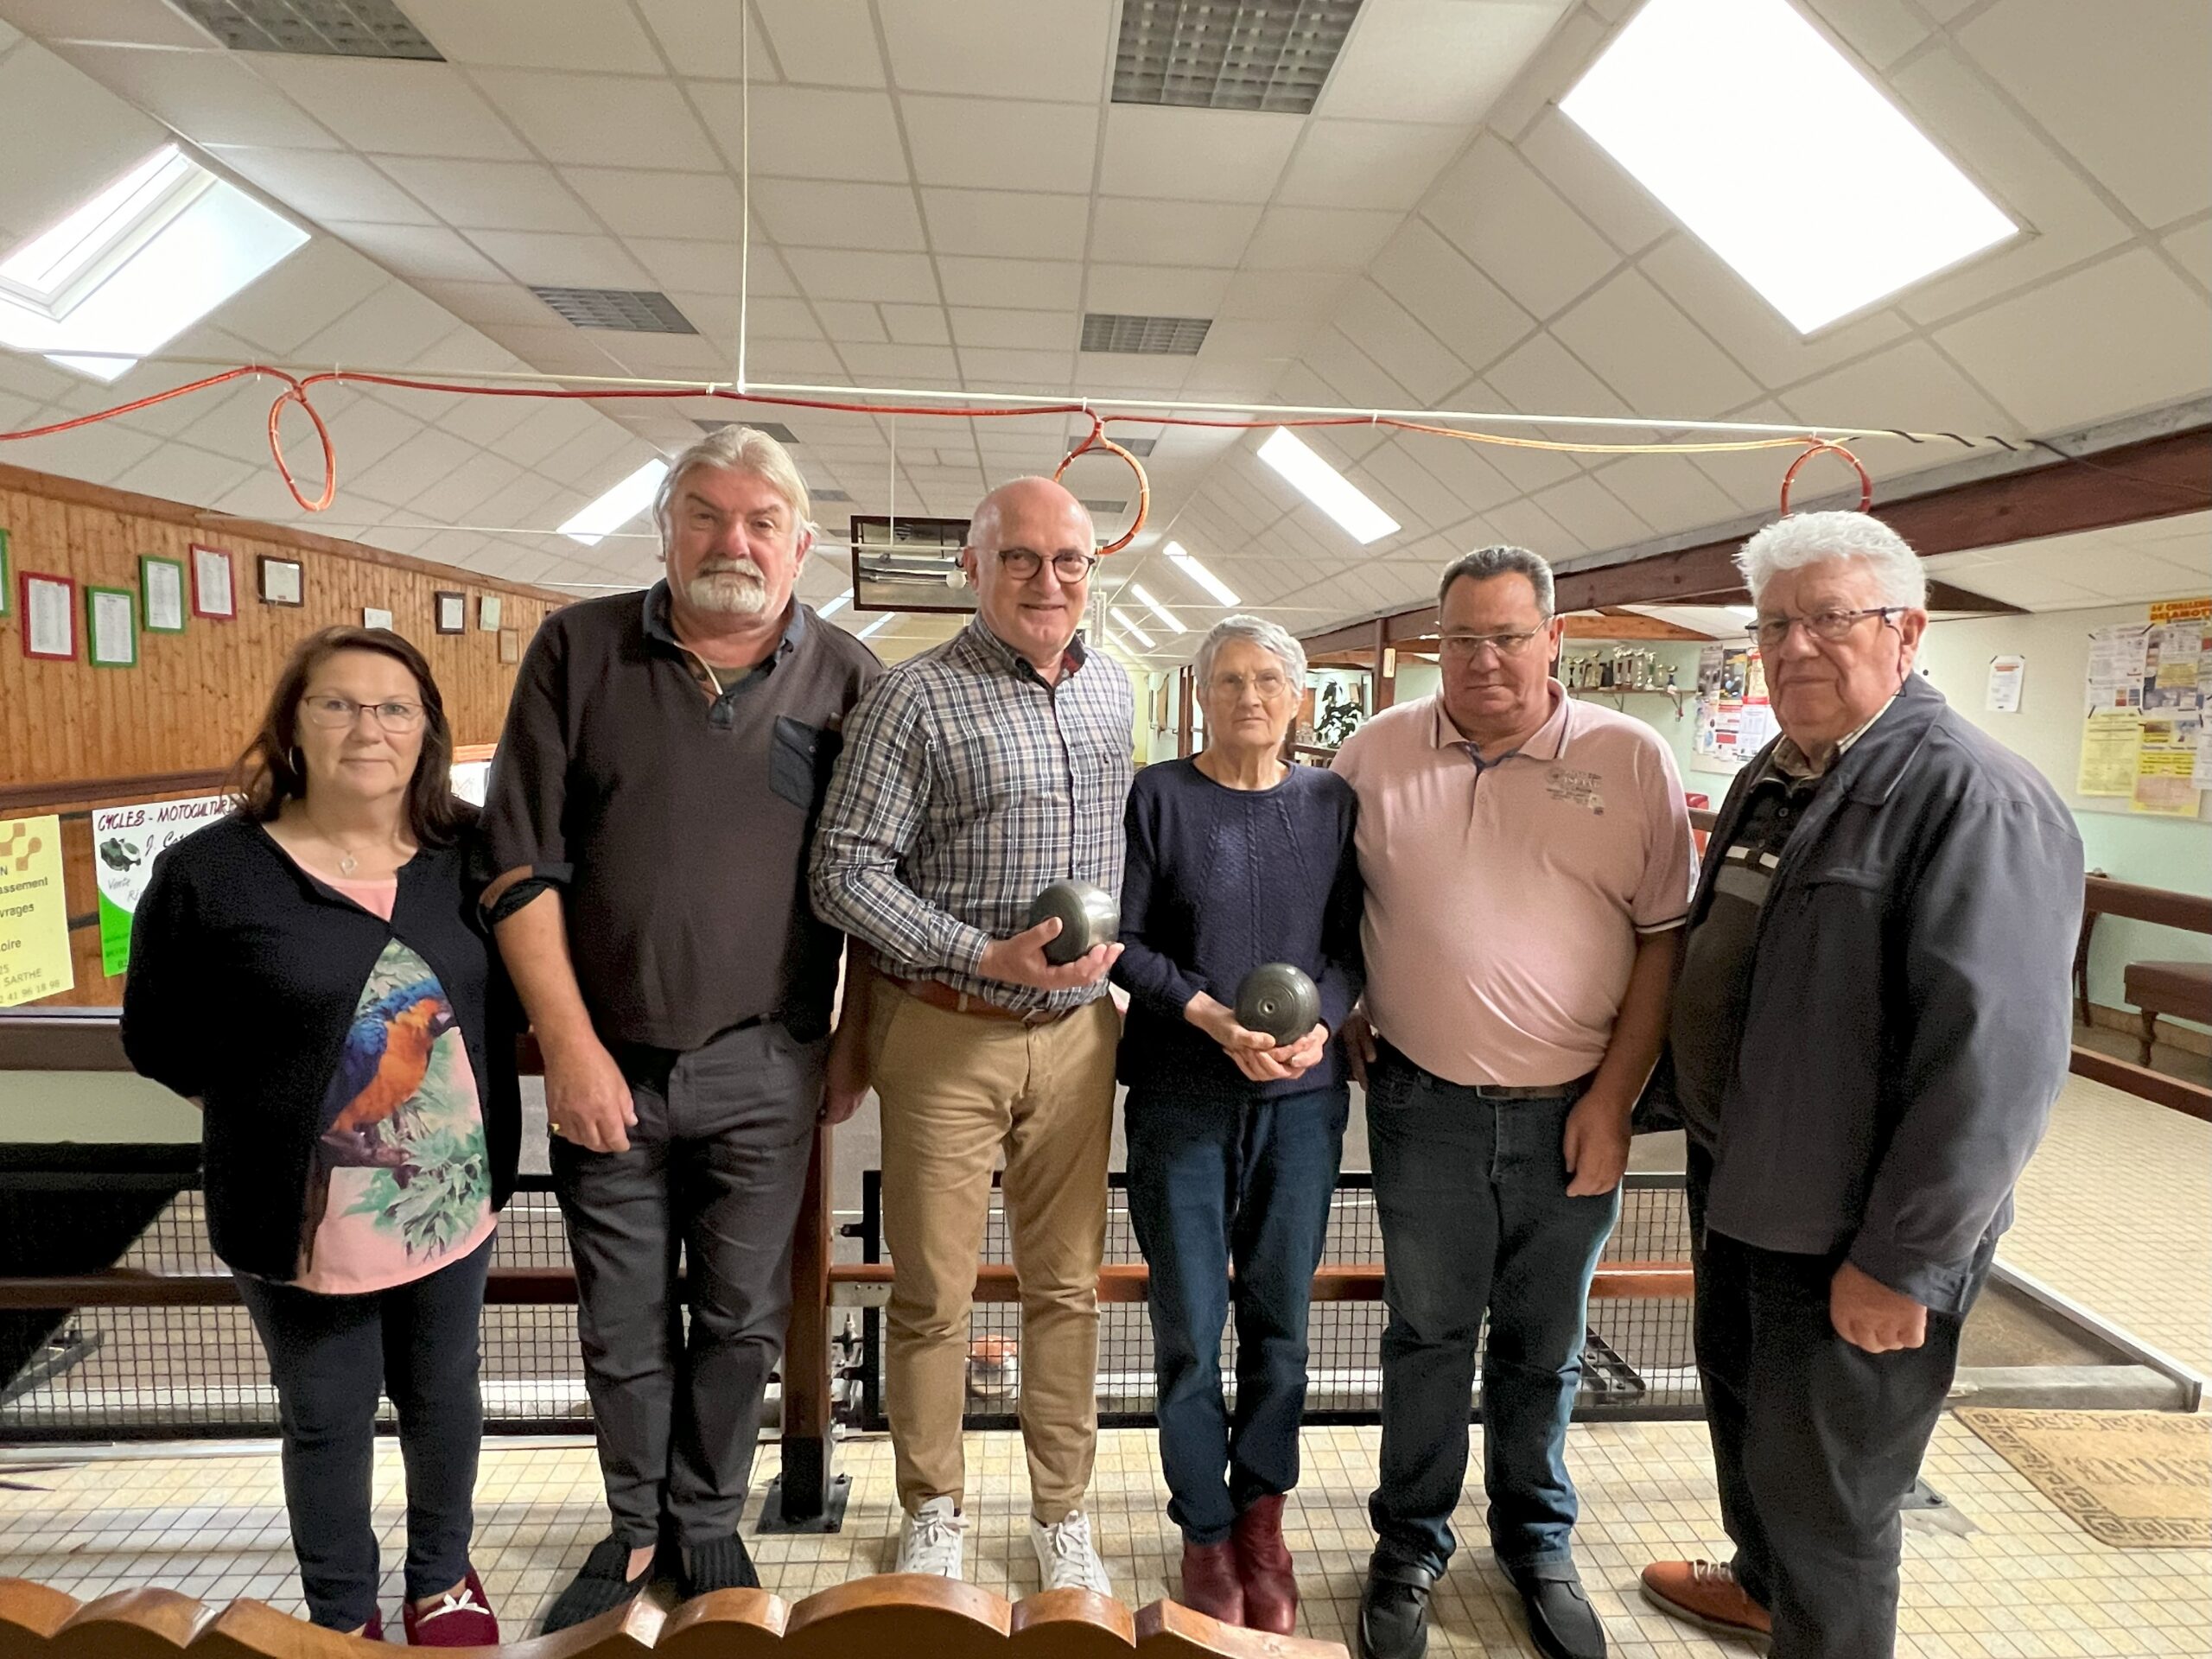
{"points": [[718, 1564], [1394, 1611], [1561, 1618], [599, 1588]]}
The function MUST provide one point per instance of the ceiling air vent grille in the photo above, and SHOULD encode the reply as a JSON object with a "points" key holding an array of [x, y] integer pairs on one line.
{"points": [[775, 429], [318, 29], [626, 310], [1109, 331], [830, 495], [1139, 446], [1104, 508], [1230, 55]]}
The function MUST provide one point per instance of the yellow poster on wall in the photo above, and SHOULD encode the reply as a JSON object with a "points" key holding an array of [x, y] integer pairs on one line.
{"points": [[33, 915]]}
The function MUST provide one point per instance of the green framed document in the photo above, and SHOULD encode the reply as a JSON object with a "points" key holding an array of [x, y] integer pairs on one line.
{"points": [[110, 628]]}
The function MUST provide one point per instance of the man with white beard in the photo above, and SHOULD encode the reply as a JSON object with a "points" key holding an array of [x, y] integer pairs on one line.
{"points": [[644, 845]]}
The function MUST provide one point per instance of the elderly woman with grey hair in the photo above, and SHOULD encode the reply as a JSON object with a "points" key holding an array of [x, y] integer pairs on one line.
{"points": [[1235, 859]]}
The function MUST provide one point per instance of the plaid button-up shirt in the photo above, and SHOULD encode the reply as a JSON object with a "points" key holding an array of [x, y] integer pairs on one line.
{"points": [[967, 784]]}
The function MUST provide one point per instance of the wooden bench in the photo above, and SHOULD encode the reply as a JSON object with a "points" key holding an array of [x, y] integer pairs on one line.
{"points": [[2181, 990]]}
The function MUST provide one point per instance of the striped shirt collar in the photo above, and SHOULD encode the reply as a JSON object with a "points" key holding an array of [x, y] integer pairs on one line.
{"points": [[996, 651]]}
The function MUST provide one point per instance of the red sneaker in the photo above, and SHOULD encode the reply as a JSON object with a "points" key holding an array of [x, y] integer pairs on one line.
{"points": [[462, 1619], [1706, 1593]]}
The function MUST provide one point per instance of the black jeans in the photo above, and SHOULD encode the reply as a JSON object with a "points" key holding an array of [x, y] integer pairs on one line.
{"points": [[1213, 1183], [1816, 1443], [1471, 1194], [711, 1183], [328, 1356]]}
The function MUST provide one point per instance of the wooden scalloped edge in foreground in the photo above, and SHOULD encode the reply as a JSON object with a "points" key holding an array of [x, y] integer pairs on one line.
{"points": [[891, 1615]]}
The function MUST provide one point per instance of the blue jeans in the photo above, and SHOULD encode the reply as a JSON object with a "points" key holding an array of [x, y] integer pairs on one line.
{"points": [[1212, 1183], [1472, 1195]]}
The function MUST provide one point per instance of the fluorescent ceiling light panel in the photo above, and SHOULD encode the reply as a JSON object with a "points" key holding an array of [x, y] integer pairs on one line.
{"points": [[1326, 489], [1738, 114], [137, 264], [880, 622], [1130, 624], [1166, 616], [835, 605], [1187, 563], [618, 506]]}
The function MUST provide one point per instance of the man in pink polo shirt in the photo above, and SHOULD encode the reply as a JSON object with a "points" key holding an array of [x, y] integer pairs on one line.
{"points": [[1527, 862]]}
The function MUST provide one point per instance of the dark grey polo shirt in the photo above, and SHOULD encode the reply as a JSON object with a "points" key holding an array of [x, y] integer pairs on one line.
{"points": [[677, 821]]}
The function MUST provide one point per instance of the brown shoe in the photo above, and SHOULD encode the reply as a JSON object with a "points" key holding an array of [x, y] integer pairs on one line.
{"points": [[1263, 1562], [1210, 1583], [1706, 1593]]}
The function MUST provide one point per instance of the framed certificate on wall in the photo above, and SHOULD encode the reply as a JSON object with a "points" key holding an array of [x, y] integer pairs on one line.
{"points": [[281, 583], [49, 607], [161, 593], [212, 595], [110, 628], [451, 611]]}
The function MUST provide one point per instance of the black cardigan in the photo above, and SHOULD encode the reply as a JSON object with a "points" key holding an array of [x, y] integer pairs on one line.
{"points": [[245, 972]]}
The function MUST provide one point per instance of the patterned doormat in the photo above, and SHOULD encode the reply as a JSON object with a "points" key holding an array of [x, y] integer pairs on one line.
{"points": [[2134, 1480]]}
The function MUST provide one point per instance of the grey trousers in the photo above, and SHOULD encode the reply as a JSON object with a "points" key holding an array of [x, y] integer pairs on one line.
{"points": [[710, 1185]]}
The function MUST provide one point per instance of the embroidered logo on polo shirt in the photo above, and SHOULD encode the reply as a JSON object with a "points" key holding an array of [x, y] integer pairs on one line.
{"points": [[1577, 788]]}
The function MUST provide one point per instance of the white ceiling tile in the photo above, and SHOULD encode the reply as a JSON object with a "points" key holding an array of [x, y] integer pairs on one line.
{"points": [[480, 420], [415, 466], [557, 347], [1234, 340], [1594, 183], [900, 363], [538, 33], [1171, 232], [1027, 284], [209, 97], [1592, 514], [1284, 296], [305, 293], [819, 214], [670, 355], [326, 186], [917, 325], [543, 430], [1367, 164], [485, 302], [999, 145], [1383, 329], [851, 322], [1462, 469], [1355, 379], [2124, 334], [601, 120], [2066, 221], [1440, 61], [2193, 247], [777, 319], [137, 23], [392, 325], [1755, 333], [414, 251], [825, 42], [1044, 331], [2127, 100], [1498, 211], [1001, 43], [176, 472], [1636, 340], [1540, 376], [490, 196], [1909, 386], [1157, 151], [807, 132], [1320, 238], [708, 267], [824, 274], [1405, 488], [396, 108], [83, 137], [1463, 307], [1156, 290], [1879, 31], [987, 366], [455, 497], [1667, 491], [1013, 224], [1524, 524], [580, 261], [701, 205]]}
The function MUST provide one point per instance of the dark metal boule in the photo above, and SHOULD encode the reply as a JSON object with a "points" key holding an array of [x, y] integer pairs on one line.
{"points": [[1279, 998], [1088, 918]]}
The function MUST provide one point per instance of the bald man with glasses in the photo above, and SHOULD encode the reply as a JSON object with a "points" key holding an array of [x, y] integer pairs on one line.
{"points": [[1527, 859]]}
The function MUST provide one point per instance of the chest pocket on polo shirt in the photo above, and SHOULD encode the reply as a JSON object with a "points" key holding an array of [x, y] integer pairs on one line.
{"points": [[800, 759]]}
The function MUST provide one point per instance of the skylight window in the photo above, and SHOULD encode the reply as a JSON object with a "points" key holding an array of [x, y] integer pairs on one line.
{"points": [[136, 265], [1326, 489], [600, 518], [1780, 155], [1187, 561]]}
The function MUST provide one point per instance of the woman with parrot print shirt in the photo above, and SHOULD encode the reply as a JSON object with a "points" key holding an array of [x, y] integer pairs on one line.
{"points": [[311, 971]]}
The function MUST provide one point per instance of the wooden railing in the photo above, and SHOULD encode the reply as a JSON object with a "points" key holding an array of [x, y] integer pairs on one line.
{"points": [[892, 1616]]}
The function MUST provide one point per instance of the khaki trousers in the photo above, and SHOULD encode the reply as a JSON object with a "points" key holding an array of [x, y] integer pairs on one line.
{"points": [[956, 1089]]}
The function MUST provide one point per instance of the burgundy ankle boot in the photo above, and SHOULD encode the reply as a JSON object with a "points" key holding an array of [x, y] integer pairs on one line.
{"points": [[1209, 1582], [1263, 1564]]}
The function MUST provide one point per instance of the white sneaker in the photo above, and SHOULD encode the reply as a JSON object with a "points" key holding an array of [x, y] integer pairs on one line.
{"points": [[1065, 1559], [930, 1540]]}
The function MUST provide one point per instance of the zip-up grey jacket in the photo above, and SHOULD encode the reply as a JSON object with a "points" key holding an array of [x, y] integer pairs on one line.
{"points": [[1909, 1019]]}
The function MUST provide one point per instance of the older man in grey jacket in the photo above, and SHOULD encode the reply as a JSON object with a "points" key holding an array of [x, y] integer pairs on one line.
{"points": [[1871, 1023]]}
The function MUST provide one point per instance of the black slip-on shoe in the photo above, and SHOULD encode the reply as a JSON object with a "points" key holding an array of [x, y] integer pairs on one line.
{"points": [[717, 1564], [1561, 1621], [1394, 1611], [599, 1588]]}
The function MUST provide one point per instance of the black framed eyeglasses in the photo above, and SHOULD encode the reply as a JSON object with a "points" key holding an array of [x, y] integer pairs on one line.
{"points": [[1831, 625], [1070, 566]]}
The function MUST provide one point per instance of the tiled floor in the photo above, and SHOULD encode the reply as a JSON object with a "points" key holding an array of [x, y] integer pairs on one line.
{"points": [[2017, 1579]]}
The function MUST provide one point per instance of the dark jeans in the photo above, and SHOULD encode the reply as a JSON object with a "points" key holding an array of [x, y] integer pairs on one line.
{"points": [[1471, 1194], [329, 1356], [1213, 1183], [1814, 1442], [712, 1181]]}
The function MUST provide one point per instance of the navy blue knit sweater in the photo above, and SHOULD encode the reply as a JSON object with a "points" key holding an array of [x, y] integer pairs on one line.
{"points": [[1218, 881]]}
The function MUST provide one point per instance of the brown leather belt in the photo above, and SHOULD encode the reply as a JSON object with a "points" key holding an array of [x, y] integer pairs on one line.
{"points": [[939, 994]]}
